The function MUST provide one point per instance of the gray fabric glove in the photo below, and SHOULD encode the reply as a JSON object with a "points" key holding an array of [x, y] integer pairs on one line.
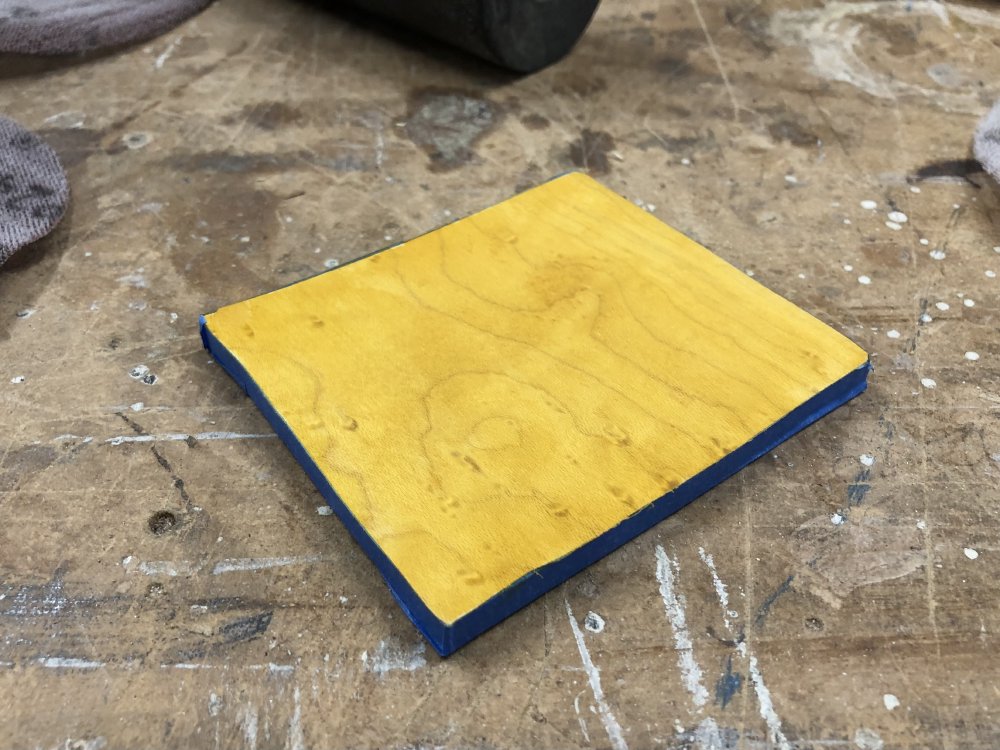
{"points": [[986, 144], [59, 27], [33, 188]]}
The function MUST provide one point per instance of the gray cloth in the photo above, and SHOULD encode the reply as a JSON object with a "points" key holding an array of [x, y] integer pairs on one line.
{"points": [[58, 27], [986, 144], [33, 188]]}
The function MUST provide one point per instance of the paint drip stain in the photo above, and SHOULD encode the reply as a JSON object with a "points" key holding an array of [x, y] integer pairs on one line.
{"points": [[447, 124], [673, 603], [594, 622], [611, 725], [729, 684], [866, 739], [535, 122], [858, 489], [590, 151], [391, 656], [142, 373], [135, 141]]}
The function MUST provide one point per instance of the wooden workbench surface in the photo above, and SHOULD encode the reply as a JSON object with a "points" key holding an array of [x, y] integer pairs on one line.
{"points": [[170, 577]]}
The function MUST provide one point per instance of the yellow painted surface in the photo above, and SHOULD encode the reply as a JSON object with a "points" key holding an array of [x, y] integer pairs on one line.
{"points": [[490, 396]]}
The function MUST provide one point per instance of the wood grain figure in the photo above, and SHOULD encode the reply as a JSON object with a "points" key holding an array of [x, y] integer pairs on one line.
{"points": [[494, 405]]}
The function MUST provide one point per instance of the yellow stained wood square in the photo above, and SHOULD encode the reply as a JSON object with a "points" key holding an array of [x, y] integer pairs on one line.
{"points": [[489, 397]]}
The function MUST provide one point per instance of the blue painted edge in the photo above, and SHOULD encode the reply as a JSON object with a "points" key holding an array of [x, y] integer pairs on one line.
{"points": [[448, 638]]}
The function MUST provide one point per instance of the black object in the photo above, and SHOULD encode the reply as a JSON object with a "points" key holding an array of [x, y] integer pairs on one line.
{"points": [[523, 35]]}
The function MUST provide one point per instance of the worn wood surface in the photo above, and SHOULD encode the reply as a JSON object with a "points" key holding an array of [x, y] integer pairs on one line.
{"points": [[166, 576]]}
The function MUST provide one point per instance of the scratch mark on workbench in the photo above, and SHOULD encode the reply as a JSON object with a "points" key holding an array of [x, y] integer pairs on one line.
{"points": [[69, 437], [250, 727], [272, 668], [283, 670], [390, 656], [52, 603], [167, 568], [161, 60], [720, 588], [866, 739], [233, 565], [708, 736], [183, 437], [59, 662], [931, 587], [729, 683], [764, 700], [295, 737], [583, 724], [376, 123], [608, 719], [718, 59], [177, 482], [245, 628], [215, 704], [674, 605], [836, 559], [229, 565], [765, 607]]}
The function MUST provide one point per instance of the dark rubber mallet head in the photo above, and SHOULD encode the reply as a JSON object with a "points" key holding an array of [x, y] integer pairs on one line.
{"points": [[522, 35]]}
